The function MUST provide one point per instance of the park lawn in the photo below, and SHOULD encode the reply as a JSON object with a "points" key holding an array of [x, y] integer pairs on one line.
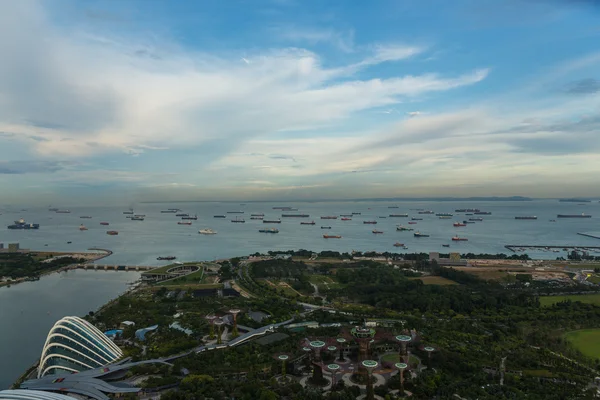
{"points": [[194, 277], [584, 298], [324, 282], [594, 279], [282, 285], [435, 280], [587, 341]]}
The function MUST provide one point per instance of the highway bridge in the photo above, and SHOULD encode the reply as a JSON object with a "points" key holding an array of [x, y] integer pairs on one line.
{"points": [[107, 267]]}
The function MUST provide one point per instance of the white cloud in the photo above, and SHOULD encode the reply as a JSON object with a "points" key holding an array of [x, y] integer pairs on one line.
{"points": [[343, 41]]}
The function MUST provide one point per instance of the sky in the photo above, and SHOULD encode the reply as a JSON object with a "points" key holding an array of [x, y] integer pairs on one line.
{"points": [[148, 100]]}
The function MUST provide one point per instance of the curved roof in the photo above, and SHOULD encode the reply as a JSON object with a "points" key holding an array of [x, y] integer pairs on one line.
{"points": [[21, 394], [74, 345]]}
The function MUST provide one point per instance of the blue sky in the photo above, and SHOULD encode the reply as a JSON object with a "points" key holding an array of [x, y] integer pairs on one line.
{"points": [[120, 101]]}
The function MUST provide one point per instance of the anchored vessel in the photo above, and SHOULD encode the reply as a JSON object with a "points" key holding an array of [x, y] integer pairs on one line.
{"points": [[238, 220], [207, 231], [21, 224], [332, 237], [527, 217], [370, 222], [269, 230], [419, 234], [582, 215], [459, 239], [184, 222], [398, 215], [82, 228], [307, 223], [112, 233], [271, 221], [295, 215], [166, 258]]}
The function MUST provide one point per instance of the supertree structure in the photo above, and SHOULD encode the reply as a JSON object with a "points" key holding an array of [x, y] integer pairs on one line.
{"points": [[341, 342], [317, 377], [283, 358], [363, 336], [401, 367], [370, 365], [404, 340], [219, 323], [429, 350], [234, 331], [334, 368], [211, 320]]}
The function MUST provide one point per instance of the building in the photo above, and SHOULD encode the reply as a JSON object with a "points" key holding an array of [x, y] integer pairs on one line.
{"points": [[75, 345]]}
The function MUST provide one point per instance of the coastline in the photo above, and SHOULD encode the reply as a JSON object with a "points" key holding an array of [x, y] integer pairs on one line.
{"points": [[104, 253]]}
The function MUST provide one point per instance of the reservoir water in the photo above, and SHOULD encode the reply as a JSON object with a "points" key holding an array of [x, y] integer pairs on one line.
{"points": [[28, 311]]}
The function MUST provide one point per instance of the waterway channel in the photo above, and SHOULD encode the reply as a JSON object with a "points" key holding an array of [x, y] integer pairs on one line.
{"points": [[28, 311]]}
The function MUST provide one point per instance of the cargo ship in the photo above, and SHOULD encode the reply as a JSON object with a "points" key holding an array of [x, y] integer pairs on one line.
{"points": [[53, 209], [166, 258], [482, 213], [329, 217], [83, 227], [459, 239], [195, 217], [582, 215], [403, 228], [295, 215], [271, 221], [137, 218], [332, 237], [269, 230], [574, 201], [346, 219], [376, 231], [419, 234], [235, 212], [184, 222], [426, 212], [444, 215], [476, 219], [104, 223], [468, 222], [130, 212], [257, 215], [399, 215], [258, 218], [169, 211], [527, 217], [207, 231], [238, 220], [21, 224], [112, 233], [219, 216], [325, 227], [469, 210], [416, 219], [346, 215], [392, 206], [307, 223], [285, 208], [182, 215], [398, 244], [411, 222], [370, 222], [85, 217], [356, 213], [457, 224], [63, 212]]}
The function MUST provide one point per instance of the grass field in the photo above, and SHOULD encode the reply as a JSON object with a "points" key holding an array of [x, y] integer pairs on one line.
{"points": [[594, 279], [324, 282], [584, 298], [193, 278], [587, 341], [282, 285], [435, 280]]}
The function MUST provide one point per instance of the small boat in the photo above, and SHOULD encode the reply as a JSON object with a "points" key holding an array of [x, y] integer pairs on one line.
{"points": [[219, 216], [130, 212], [82, 228], [63, 212], [411, 222], [207, 231], [137, 218], [376, 231], [325, 227], [184, 222], [419, 234], [332, 237], [416, 219], [403, 228], [459, 239], [69, 242], [112, 233], [445, 245], [552, 220], [166, 258], [329, 217], [398, 244], [346, 219], [382, 217], [307, 223], [104, 223], [457, 224], [346, 215], [370, 222], [269, 230]]}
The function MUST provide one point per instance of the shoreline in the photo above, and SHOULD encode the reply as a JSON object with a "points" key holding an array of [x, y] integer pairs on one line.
{"points": [[91, 251]]}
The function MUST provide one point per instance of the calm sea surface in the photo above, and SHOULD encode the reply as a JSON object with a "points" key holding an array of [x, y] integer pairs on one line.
{"points": [[27, 311]]}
